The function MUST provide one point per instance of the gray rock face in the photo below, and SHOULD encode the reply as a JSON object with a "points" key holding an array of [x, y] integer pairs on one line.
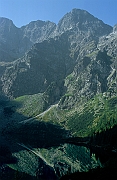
{"points": [[109, 43], [14, 42], [80, 51], [45, 63], [89, 77], [115, 28], [37, 31], [82, 21]]}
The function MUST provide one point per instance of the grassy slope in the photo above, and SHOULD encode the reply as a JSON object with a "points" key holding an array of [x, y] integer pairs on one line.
{"points": [[97, 115], [31, 105]]}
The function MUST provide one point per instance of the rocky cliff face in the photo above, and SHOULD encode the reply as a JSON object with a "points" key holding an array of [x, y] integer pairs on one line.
{"points": [[81, 50], [8, 40], [81, 20], [38, 31], [45, 63], [14, 42], [89, 77]]}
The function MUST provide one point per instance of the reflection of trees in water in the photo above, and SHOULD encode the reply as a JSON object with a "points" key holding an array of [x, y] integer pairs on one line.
{"points": [[38, 135], [45, 172], [8, 111], [4, 151], [6, 156]]}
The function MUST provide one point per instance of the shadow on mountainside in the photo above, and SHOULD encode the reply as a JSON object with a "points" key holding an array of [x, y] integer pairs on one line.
{"points": [[15, 137], [39, 134], [34, 133]]}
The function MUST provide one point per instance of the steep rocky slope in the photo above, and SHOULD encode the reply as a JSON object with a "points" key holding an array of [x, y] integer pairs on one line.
{"points": [[81, 20], [38, 31], [76, 35], [92, 75], [14, 42], [45, 63]]}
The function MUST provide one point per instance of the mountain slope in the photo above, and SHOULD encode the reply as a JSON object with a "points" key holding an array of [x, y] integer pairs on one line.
{"points": [[14, 42], [82, 21], [38, 31], [76, 35], [45, 63], [63, 90]]}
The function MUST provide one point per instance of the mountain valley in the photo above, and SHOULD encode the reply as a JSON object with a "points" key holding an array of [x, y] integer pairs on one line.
{"points": [[58, 97]]}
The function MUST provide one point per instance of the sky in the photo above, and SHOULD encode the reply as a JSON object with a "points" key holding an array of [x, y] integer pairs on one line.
{"points": [[22, 12]]}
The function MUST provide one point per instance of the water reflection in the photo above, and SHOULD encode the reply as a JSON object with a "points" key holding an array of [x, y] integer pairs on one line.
{"points": [[29, 147]]}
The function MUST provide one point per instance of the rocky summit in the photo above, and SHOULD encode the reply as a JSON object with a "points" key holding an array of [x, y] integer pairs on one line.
{"points": [[58, 82]]}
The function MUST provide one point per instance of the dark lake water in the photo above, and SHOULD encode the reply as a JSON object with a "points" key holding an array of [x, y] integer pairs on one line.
{"points": [[63, 156]]}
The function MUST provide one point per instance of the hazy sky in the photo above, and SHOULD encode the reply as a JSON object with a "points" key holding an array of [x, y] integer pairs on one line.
{"points": [[24, 11]]}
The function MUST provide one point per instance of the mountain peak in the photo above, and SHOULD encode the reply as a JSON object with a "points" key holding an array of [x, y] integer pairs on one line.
{"points": [[5, 21], [79, 11], [83, 21]]}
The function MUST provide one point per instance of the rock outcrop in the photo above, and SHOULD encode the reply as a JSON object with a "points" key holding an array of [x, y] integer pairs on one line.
{"points": [[80, 51]]}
